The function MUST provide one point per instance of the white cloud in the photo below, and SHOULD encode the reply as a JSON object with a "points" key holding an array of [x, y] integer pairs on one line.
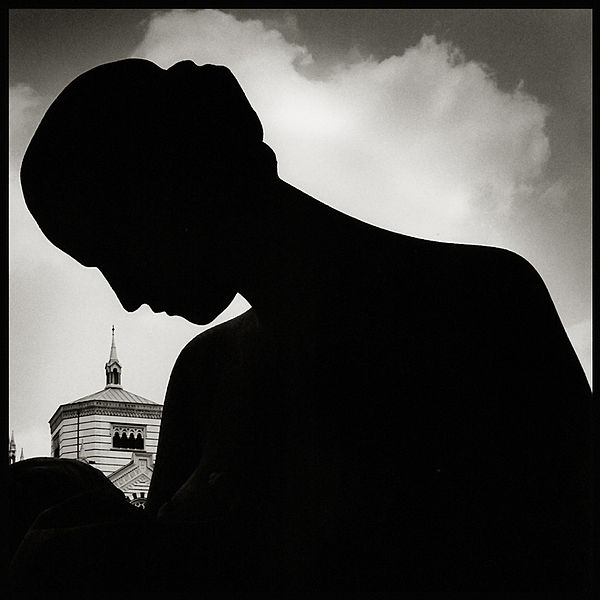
{"points": [[423, 143], [286, 23], [25, 108]]}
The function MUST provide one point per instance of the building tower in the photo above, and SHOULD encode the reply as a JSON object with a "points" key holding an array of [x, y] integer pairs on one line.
{"points": [[12, 449], [113, 430], [113, 367]]}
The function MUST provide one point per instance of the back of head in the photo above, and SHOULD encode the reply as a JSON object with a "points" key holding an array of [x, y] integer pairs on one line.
{"points": [[127, 142]]}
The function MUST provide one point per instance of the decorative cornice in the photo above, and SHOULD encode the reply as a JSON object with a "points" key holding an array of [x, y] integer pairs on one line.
{"points": [[135, 471], [105, 407]]}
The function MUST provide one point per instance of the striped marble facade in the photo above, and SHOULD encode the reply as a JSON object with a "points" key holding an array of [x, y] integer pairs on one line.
{"points": [[113, 430]]}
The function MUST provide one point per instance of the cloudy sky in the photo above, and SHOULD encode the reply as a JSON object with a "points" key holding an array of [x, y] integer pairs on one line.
{"points": [[456, 125]]}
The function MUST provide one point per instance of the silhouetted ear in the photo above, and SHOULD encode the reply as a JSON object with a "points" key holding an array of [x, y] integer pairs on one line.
{"points": [[211, 127], [211, 96]]}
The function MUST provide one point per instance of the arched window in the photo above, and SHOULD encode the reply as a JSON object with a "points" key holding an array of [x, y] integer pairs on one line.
{"points": [[130, 437], [115, 375]]}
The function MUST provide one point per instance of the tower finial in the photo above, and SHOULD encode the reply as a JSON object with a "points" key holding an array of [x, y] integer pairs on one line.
{"points": [[113, 347], [12, 449], [113, 367]]}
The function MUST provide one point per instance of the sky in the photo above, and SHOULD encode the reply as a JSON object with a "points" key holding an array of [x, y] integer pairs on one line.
{"points": [[470, 126]]}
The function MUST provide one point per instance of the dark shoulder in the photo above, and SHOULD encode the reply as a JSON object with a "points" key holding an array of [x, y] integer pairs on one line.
{"points": [[489, 291], [509, 298], [499, 271], [468, 263], [514, 281], [507, 264]]}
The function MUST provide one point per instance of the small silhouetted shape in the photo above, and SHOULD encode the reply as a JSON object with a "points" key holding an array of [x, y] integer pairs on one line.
{"points": [[392, 414]]}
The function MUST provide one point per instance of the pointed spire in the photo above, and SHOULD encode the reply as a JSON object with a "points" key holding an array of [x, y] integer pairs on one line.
{"points": [[113, 348], [21, 457], [12, 449], [113, 367]]}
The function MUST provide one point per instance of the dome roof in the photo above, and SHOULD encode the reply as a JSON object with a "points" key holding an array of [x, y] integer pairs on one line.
{"points": [[114, 394]]}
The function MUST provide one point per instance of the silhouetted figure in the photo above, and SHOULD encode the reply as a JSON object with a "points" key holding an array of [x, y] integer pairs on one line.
{"points": [[392, 414]]}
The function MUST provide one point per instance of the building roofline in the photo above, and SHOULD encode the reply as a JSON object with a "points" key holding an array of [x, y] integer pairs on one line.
{"points": [[105, 407]]}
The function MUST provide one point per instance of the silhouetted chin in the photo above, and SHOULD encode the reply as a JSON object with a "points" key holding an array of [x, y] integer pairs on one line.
{"points": [[203, 313]]}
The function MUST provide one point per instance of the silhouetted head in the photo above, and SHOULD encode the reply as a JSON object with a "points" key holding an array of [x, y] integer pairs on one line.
{"points": [[137, 170]]}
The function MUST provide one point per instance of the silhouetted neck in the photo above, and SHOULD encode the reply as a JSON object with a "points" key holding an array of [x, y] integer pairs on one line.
{"points": [[303, 257]]}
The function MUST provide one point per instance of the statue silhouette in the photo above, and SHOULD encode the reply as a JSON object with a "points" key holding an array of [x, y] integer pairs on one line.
{"points": [[391, 414]]}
